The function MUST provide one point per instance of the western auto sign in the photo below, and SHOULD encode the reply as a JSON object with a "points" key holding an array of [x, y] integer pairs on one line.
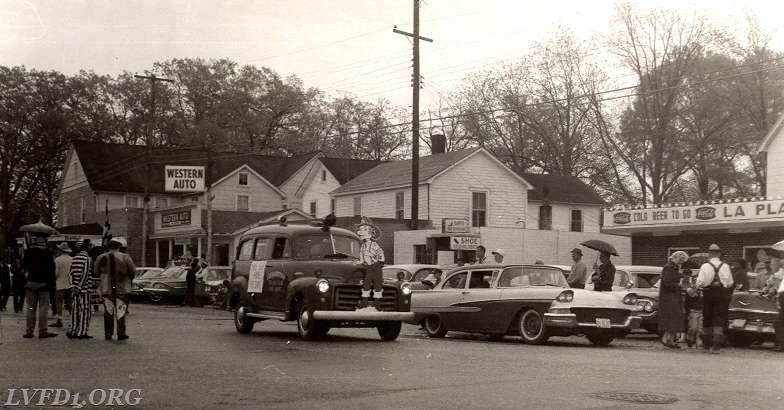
{"points": [[705, 213], [177, 218], [183, 178]]}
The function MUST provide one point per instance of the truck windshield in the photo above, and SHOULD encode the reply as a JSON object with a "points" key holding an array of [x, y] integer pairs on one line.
{"points": [[318, 246]]}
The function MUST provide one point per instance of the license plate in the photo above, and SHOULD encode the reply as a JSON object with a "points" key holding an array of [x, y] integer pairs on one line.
{"points": [[738, 323], [603, 323]]}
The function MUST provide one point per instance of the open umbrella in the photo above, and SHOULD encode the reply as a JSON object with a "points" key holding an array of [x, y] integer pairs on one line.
{"points": [[39, 228], [600, 246], [779, 246]]}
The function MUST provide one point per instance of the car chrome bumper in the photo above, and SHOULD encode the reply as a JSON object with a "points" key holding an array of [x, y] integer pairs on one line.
{"points": [[152, 291], [362, 316], [742, 325], [569, 320]]}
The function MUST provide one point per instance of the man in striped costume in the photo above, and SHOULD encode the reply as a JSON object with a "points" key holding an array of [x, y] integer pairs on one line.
{"points": [[81, 282]]}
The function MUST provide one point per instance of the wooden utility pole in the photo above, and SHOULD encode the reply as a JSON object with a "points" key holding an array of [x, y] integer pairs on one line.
{"points": [[415, 117], [148, 147], [209, 198]]}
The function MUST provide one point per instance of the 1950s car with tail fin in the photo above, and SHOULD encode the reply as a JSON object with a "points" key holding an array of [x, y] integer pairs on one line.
{"points": [[532, 301], [307, 272]]}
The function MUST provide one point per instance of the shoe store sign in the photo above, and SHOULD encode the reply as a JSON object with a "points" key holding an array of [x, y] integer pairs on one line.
{"points": [[738, 210], [182, 178]]}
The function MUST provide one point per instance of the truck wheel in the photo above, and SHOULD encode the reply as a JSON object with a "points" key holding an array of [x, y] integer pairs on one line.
{"points": [[309, 328], [532, 327], [600, 339], [243, 323], [434, 327], [389, 331]]}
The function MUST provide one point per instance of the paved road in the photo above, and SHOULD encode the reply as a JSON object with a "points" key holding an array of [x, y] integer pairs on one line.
{"points": [[193, 358]]}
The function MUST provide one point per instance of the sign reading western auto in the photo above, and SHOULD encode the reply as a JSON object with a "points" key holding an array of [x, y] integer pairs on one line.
{"points": [[717, 212], [183, 178], [176, 218]]}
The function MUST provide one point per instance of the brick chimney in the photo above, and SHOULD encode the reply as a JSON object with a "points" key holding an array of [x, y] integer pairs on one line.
{"points": [[438, 144]]}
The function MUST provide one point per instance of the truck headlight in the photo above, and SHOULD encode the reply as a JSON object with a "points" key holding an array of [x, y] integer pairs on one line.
{"points": [[322, 285], [405, 288]]}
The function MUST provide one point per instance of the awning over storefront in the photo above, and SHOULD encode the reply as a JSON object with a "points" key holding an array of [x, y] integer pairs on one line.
{"points": [[734, 216]]}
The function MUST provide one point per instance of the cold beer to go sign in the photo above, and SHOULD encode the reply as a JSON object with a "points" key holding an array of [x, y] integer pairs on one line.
{"points": [[181, 178]]}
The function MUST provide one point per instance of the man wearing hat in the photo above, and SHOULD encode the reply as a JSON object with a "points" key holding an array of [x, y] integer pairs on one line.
{"points": [[116, 270], [714, 279], [62, 265], [498, 255], [80, 286], [579, 272]]}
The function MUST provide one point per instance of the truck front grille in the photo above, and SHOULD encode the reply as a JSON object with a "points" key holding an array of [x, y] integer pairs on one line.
{"points": [[347, 297]]}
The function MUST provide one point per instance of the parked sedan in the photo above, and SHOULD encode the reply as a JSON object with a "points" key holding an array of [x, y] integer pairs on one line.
{"points": [[751, 319], [171, 286], [532, 301], [420, 276], [643, 282], [143, 278], [214, 286]]}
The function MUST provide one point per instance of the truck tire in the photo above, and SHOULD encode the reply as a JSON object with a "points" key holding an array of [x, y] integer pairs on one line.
{"points": [[307, 327], [389, 331], [243, 323]]}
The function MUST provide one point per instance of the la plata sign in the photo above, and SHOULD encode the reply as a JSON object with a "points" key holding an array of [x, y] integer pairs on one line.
{"points": [[183, 178], [738, 211]]}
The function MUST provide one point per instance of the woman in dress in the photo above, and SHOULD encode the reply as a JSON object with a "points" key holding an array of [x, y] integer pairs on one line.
{"points": [[671, 311]]}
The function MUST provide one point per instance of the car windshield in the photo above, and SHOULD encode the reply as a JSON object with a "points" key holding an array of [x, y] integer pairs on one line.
{"points": [[390, 274], [519, 276], [318, 246], [151, 273], [424, 273], [173, 272], [213, 275]]}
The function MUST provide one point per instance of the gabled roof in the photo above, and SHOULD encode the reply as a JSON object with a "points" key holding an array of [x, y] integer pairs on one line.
{"points": [[229, 222], [561, 188], [120, 167], [398, 173], [345, 170], [773, 133]]}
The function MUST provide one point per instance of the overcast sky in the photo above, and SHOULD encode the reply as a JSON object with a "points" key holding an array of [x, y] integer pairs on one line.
{"points": [[339, 46]]}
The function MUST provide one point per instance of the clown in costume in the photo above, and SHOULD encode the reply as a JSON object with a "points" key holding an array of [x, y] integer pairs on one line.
{"points": [[371, 259]]}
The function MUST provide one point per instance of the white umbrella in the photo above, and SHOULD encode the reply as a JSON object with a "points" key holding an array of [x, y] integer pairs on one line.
{"points": [[779, 246]]}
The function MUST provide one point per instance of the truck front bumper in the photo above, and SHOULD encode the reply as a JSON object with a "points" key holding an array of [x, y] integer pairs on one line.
{"points": [[362, 316]]}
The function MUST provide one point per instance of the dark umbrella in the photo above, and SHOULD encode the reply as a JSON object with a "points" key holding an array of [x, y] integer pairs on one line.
{"points": [[39, 228], [600, 246], [699, 258]]}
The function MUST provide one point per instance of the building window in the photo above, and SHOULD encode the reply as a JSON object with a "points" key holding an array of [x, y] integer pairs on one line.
{"points": [[131, 201], [313, 209], [323, 175], [577, 220], [545, 217], [400, 212], [243, 203], [83, 211], [357, 205], [161, 202], [478, 209], [332, 206], [421, 255], [243, 178]]}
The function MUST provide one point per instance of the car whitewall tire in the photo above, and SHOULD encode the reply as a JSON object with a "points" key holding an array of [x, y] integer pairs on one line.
{"points": [[531, 326], [434, 327]]}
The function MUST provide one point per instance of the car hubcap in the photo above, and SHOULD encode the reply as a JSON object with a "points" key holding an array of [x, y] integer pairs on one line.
{"points": [[532, 326], [433, 324]]}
